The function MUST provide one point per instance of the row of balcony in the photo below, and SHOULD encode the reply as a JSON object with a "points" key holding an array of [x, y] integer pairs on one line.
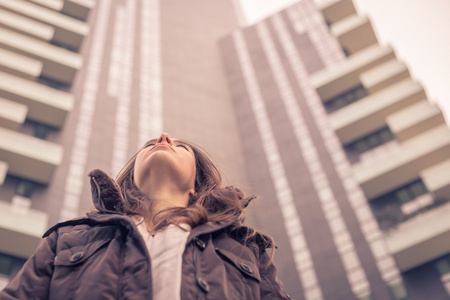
{"points": [[39, 43], [391, 100], [52, 25]]}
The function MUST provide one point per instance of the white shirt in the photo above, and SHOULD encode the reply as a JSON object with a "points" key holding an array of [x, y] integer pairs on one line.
{"points": [[166, 249]]}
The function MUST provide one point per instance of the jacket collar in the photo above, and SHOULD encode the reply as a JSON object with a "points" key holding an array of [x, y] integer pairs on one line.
{"points": [[106, 197], [207, 228]]}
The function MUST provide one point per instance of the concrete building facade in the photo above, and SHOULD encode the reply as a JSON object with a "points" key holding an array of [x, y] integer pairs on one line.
{"points": [[350, 143], [326, 126]]}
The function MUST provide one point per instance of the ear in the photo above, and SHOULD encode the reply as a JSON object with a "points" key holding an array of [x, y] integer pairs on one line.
{"points": [[192, 192]]}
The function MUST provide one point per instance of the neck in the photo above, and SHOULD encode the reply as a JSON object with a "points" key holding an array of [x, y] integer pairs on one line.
{"points": [[165, 194], [164, 198]]}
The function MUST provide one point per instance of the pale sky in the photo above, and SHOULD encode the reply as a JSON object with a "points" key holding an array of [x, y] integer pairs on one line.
{"points": [[418, 30]]}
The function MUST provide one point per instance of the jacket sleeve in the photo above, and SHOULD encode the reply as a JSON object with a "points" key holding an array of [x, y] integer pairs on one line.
{"points": [[33, 280], [270, 287]]}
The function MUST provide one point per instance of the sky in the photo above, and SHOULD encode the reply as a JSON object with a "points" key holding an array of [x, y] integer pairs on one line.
{"points": [[417, 30]]}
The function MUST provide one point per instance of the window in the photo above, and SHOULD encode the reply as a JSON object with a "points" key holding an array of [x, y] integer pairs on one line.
{"points": [[346, 98], [410, 191], [41, 131], [346, 52], [365, 297], [405, 193], [443, 266], [52, 83], [9, 265], [24, 188], [398, 290], [373, 140], [5, 264], [402, 204]]}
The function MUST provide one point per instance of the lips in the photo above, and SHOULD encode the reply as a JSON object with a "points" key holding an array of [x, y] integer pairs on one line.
{"points": [[163, 145]]}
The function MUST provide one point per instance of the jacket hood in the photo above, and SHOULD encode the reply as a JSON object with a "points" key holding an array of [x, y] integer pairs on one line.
{"points": [[106, 193]]}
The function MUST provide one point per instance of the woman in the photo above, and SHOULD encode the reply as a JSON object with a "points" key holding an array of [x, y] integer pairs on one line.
{"points": [[164, 229]]}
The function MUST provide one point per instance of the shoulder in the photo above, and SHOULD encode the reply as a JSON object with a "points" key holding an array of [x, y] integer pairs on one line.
{"points": [[93, 220], [67, 225], [96, 229], [251, 237]]}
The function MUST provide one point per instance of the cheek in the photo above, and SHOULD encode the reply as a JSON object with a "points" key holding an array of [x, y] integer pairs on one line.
{"points": [[137, 172], [194, 175], [136, 176], [191, 170]]}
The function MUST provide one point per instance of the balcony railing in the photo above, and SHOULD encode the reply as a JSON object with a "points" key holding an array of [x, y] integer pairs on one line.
{"points": [[341, 77], [21, 228], [354, 33], [336, 10], [421, 238]]}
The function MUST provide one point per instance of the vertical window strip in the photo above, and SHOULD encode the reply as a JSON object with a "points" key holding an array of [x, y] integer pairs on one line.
{"points": [[355, 273], [150, 98], [305, 15], [122, 124], [355, 195], [78, 157], [115, 67], [302, 255]]}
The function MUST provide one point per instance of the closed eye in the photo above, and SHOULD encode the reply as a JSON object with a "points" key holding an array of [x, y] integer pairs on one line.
{"points": [[183, 146]]}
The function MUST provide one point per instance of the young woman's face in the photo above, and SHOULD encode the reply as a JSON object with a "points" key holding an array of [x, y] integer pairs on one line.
{"points": [[166, 159]]}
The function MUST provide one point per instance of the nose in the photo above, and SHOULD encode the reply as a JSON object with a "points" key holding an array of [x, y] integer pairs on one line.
{"points": [[164, 138]]}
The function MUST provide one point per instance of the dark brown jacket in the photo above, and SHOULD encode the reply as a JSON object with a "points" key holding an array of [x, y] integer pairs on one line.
{"points": [[103, 256]]}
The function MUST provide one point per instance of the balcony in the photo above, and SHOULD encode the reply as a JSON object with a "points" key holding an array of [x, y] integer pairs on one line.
{"points": [[68, 31], [58, 64], [76, 8], [354, 33], [414, 120], [3, 172], [421, 239], [386, 173], [360, 118], [348, 97], [29, 157], [437, 179], [45, 104], [336, 10], [19, 65], [24, 25], [345, 75], [12, 114], [384, 75], [22, 229]]}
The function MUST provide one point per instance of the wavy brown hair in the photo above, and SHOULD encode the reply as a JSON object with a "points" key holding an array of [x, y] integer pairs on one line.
{"points": [[211, 202]]}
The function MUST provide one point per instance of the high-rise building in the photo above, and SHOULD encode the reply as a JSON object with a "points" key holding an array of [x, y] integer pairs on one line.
{"points": [[84, 84], [39, 61], [346, 153]]}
